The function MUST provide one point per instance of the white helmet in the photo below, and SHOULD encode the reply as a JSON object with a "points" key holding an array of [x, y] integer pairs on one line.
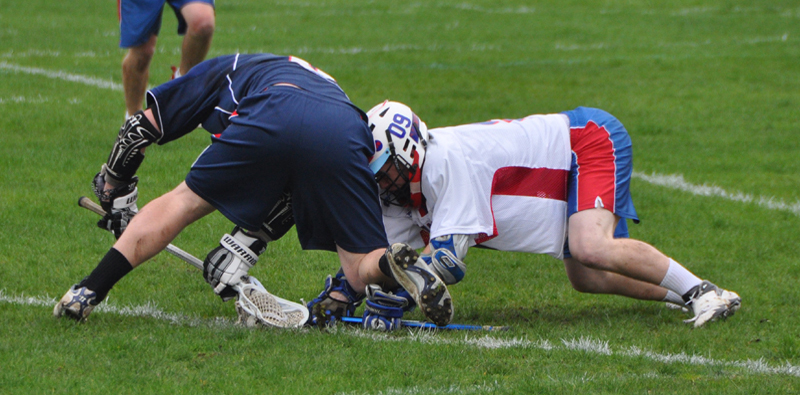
{"points": [[402, 137], [397, 132]]}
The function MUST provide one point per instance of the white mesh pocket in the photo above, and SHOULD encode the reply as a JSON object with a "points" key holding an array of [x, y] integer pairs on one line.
{"points": [[257, 306]]}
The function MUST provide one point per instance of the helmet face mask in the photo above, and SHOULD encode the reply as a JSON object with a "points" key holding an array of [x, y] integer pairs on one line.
{"points": [[400, 139], [397, 189]]}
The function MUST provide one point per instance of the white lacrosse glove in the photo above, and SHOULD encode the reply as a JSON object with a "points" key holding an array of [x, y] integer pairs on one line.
{"points": [[228, 265]]}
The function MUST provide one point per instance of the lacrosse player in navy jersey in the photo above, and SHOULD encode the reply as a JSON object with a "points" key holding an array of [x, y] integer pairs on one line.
{"points": [[555, 184], [288, 147]]}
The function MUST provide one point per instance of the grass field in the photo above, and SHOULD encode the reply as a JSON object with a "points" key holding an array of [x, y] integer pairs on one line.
{"points": [[709, 91]]}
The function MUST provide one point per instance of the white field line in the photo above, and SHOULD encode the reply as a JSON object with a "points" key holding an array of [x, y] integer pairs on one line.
{"points": [[587, 345], [148, 310], [24, 100], [584, 344], [62, 75], [676, 181], [415, 390]]}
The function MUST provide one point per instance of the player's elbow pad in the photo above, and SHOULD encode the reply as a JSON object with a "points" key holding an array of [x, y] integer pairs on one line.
{"points": [[135, 135]]}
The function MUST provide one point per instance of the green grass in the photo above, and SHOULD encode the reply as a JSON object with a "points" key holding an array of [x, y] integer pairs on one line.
{"points": [[708, 90]]}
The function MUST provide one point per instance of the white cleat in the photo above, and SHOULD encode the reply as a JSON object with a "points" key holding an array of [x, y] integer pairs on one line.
{"points": [[709, 303], [425, 287], [77, 303]]}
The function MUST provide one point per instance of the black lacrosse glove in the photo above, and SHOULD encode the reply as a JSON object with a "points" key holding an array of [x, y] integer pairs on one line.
{"points": [[119, 203]]}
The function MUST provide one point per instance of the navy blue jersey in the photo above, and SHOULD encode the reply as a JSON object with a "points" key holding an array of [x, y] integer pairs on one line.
{"points": [[307, 138]]}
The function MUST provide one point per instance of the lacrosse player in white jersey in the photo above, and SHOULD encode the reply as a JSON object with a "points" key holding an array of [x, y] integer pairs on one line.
{"points": [[555, 184]]}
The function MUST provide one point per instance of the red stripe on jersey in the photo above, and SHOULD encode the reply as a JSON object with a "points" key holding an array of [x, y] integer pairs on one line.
{"points": [[534, 182], [525, 181], [597, 170]]}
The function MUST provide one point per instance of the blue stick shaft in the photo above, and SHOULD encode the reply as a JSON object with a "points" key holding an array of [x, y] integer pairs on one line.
{"points": [[429, 325]]}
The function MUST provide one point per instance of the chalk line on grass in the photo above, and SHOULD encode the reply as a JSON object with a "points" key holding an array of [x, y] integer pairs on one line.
{"points": [[149, 310], [62, 75], [676, 181], [582, 344]]}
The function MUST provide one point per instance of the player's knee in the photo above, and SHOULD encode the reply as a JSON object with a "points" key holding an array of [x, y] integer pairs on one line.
{"points": [[204, 29], [580, 280], [138, 59], [581, 286], [591, 255]]}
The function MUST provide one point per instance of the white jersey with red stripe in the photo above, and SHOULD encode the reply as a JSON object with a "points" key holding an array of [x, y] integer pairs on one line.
{"points": [[504, 182]]}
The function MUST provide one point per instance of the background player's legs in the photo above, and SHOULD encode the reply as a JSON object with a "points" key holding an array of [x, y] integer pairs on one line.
{"points": [[136, 73], [199, 32]]}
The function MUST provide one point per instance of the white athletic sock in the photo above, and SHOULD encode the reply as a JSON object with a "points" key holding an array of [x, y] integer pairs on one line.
{"points": [[679, 279], [672, 297]]}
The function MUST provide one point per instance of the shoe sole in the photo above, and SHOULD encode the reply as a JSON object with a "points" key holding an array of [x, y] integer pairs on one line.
{"points": [[434, 298], [62, 310], [63, 307]]}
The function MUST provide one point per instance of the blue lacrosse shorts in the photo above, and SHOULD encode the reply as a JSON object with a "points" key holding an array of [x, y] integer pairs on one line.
{"points": [[140, 19], [602, 164]]}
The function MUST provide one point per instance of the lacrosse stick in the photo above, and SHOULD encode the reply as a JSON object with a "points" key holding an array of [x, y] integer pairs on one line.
{"points": [[253, 302]]}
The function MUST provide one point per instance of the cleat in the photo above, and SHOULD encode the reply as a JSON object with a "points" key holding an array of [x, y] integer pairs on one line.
{"points": [[424, 286], [709, 303], [175, 72], [77, 303]]}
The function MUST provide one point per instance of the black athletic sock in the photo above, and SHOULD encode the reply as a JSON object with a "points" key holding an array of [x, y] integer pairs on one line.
{"points": [[112, 268], [383, 264]]}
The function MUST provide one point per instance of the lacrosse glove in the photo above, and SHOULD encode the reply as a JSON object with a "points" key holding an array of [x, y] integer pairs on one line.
{"points": [[227, 265], [384, 310], [326, 310], [118, 202]]}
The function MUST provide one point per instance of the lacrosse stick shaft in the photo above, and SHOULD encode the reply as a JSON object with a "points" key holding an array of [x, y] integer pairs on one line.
{"points": [[90, 205], [429, 325], [245, 302]]}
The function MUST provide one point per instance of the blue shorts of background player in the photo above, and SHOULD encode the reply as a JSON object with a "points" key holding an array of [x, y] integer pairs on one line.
{"points": [[138, 20]]}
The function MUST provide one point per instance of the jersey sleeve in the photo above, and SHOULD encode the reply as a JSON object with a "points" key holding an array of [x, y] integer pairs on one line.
{"points": [[401, 228], [182, 104], [455, 200]]}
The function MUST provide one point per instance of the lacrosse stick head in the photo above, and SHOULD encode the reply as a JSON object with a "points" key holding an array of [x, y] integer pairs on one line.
{"points": [[256, 306]]}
